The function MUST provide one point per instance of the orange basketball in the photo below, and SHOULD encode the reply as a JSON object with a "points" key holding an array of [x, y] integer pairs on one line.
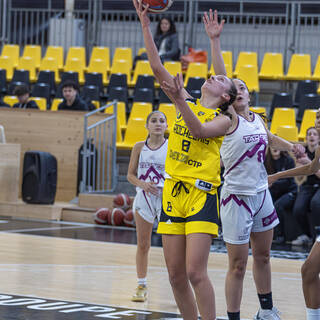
{"points": [[117, 216], [122, 201], [157, 6], [101, 216], [129, 219]]}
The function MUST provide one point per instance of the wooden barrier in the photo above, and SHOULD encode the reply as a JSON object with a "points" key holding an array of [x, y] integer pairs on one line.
{"points": [[9, 171], [60, 133]]}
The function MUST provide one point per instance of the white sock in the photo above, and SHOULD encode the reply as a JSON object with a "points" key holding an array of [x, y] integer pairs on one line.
{"points": [[142, 281], [313, 314]]}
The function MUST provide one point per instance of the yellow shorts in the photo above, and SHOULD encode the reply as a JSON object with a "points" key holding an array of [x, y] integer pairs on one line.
{"points": [[187, 209]]}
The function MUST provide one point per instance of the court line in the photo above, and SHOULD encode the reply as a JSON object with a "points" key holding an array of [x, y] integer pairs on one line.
{"points": [[44, 229]]}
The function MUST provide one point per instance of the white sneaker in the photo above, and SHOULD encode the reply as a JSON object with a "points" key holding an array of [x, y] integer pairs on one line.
{"points": [[263, 314], [301, 240]]}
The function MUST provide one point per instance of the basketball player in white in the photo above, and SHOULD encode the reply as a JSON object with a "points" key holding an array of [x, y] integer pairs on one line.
{"points": [[146, 172]]}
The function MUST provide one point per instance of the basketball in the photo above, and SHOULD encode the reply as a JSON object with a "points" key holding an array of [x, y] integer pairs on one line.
{"points": [[117, 216], [122, 201], [101, 216], [157, 6], [129, 219]]}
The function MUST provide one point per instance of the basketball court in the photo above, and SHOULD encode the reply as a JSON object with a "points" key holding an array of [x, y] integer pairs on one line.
{"points": [[59, 270]]}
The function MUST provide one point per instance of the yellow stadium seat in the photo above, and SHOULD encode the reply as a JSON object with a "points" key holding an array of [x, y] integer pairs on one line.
{"points": [[11, 100], [101, 53], [51, 64], [249, 74], [33, 51], [316, 71], [121, 114], [142, 67], [299, 67], [141, 51], [272, 66], [173, 67], [259, 110], [245, 58], [318, 90], [12, 51], [57, 53], [289, 133], [75, 65], [99, 66], [136, 131], [41, 102], [96, 103], [140, 110], [170, 111], [55, 103], [78, 53], [196, 69], [227, 59], [308, 119], [27, 63], [6, 63], [282, 117], [123, 54], [119, 139], [122, 66]]}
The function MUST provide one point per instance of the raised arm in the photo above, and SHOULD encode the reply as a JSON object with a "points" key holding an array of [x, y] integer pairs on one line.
{"points": [[153, 55], [214, 29], [308, 169], [215, 128]]}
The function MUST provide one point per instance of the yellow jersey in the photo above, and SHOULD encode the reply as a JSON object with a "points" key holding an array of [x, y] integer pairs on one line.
{"points": [[194, 160]]}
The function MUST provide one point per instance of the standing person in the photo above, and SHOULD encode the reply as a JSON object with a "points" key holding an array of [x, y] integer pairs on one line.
{"points": [[146, 172], [247, 211], [311, 268], [189, 217], [283, 194], [307, 205]]}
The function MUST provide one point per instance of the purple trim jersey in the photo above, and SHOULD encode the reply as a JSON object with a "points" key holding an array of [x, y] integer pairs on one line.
{"points": [[151, 164], [243, 152]]}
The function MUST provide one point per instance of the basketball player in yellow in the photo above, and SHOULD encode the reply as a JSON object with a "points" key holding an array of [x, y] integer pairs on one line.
{"points": [[190, 204]]}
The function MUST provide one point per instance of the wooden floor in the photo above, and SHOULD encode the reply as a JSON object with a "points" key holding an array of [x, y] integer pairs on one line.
{"points": [[104, 273]]}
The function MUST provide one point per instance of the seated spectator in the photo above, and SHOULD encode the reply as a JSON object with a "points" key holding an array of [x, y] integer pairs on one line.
{"points": [[283, 194], [71, 100], [166, 40], [307, 205], [23, 95]]}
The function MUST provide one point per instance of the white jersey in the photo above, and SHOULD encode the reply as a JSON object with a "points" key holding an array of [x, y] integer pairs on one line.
{"points": [[151, 164], [243, 152]]}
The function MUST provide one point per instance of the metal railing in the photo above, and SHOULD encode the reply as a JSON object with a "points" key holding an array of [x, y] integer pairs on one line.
{"points": [[99, 174], [261, 26]]}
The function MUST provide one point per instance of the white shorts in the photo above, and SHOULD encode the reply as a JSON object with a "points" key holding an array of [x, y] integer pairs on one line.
{"points": [[148, 207], [318, 239], [241, 215]]}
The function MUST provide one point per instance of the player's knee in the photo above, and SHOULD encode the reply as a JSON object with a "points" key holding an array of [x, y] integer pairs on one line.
{"points": [[144, 246], [176, 278], [238, 269], [262, 258], [195, 276], [307, 273]]}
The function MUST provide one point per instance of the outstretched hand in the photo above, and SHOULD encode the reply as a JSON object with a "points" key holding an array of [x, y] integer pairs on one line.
{"points": [[211, 24], [298, 150], [272, 179], [175, 90], [142, 13]]}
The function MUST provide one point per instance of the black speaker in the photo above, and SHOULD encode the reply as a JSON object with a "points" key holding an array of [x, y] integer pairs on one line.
{"points": [[39, 182]]}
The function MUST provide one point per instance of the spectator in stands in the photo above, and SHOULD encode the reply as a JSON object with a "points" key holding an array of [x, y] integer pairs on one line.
{"points": [[307, 205], [283, 194], [23, 95], [71, 100], [166, 40]]}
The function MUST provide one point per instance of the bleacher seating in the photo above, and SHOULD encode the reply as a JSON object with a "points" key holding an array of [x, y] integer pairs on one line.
{"points": [[282, 117]]}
